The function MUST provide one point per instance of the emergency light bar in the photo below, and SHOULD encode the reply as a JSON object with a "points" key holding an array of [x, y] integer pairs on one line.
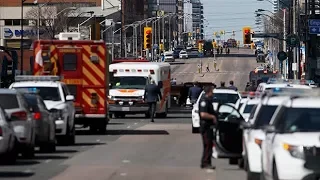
{"points": [[37, 78], [292, 92]]}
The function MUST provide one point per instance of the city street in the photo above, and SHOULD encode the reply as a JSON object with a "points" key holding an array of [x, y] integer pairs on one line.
{"points": [[136, 149], [235, 66]]}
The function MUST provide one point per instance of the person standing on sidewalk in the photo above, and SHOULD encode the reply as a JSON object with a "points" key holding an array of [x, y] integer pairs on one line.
{"points": [[152, 94]]}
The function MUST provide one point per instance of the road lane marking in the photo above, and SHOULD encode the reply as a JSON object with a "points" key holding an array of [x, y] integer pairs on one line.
{"points": [[135, 123], [48, 160], [126, 161], [123, 174], [98, 140], [128, 127]]}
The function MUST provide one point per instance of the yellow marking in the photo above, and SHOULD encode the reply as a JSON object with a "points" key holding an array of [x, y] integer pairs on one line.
{"points": [[86, 99], [84, 82], [93, 67], [73, 81], [103, 53], [64, 50], [89, 76], [102, 91], [101, 61], [99, 97]]}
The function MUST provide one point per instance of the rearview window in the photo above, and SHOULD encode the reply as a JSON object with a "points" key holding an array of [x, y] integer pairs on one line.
{"points": [[70, 62], [9, 101]]}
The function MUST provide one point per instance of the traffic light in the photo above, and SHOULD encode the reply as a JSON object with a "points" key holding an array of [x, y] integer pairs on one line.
{"points": [[200, 47], [147, 37], [246, 35]]}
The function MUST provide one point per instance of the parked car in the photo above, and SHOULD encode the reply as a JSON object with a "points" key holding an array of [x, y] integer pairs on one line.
{"points": [[8, 149], [21, 120], [45, 125], [183, 55]]}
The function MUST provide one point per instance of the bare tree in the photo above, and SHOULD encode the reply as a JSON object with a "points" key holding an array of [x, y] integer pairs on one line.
{"points": [[53, 18]]}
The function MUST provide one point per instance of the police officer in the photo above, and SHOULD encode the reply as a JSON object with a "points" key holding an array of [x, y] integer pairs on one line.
{"points": [[194, 92], [208, 118], [152, 94]]}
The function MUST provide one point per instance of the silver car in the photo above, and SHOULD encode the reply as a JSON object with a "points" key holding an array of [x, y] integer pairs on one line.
{"points": [[8, 150], [22, 122], [45, 125]]}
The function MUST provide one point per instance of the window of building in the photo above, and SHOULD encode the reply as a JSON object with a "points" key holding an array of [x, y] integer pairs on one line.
{"points": [[26, 22], [8, 22], [16, 22]]}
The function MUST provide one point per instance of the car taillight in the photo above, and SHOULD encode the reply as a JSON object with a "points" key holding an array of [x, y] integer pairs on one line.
{"points": [[21, 115], [37, 116]]}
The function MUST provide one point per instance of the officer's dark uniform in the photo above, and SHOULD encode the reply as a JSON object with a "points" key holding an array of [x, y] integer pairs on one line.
{"points": [[194, 93], [205, 105], [152, 94]]}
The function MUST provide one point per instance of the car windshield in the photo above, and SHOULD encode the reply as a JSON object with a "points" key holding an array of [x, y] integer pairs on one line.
{"points": [[32, 102], [46, 93], [264, 116], [9, 101], [248, 108], [223, 98], [183, 52], [132, 82], [301, 120]]}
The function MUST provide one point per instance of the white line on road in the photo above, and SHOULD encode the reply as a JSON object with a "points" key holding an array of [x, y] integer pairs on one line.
{"points": [[135, 123], [123, 174], [126, 161], [48, 160], [128, 127], [98, 140]]}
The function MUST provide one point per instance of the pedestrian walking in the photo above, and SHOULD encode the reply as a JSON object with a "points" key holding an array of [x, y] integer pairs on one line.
{"points": [[152, 94], [215, 64], [228, 51], [194, 92], [208, 68], [208, 118]]}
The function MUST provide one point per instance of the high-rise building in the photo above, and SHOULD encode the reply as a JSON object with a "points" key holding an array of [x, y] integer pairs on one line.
{"points": [[280, 4], [187, 10], [197, 19]]}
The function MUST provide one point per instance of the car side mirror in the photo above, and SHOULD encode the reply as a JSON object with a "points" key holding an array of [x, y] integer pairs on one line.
{"points": [[160, 84], [69, 98], [245, 125], [269, 129]]}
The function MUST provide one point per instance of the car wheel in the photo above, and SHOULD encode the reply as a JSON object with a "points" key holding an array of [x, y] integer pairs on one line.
{"points": [[275, 172], [241, 163], [253, 176], [69, 138], [103, 126], [28, 152]]}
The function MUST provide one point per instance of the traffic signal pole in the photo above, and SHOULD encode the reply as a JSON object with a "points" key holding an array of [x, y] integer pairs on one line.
{"points": [[290, 53], [122, 28]]}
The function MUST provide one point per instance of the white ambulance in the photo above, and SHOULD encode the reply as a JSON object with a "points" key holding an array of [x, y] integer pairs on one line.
{"points": [[127, 83]]}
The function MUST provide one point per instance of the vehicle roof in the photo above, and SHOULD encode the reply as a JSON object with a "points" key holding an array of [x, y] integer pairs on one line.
{"points": [[274, 101], [36, 84], [303, 102], [7, 91], [139, 65], [226, 91]]}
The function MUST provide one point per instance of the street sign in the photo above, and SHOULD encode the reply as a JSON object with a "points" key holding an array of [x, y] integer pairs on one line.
{"points": [[265, 35], [314, 30], [314, 22], [282, 56], [292, 40]]}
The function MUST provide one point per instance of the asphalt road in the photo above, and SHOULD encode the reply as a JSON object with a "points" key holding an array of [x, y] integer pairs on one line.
{"points": [[136, 149], [235, 66], [133, 148]]}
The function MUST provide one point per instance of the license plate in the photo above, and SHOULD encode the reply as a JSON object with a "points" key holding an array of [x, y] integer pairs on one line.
{"points": [[125, 109], [19, 129]]}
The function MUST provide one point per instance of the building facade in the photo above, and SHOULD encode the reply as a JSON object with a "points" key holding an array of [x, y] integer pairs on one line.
{"points": [[187, 17], [197, 19]]}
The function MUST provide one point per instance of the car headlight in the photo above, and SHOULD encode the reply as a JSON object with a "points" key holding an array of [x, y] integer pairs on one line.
{"points": [[295, 151], [57, 113]]}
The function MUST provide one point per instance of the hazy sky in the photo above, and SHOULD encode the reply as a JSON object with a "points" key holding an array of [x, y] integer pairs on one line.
{"points": [[231, 15]]}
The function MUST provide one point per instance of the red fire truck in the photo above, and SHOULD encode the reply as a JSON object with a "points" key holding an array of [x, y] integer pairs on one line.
{"points": [[83, 66]]}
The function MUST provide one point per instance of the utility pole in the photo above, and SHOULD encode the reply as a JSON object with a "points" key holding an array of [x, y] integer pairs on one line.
{"points": [[122, 28], [290, 57]]}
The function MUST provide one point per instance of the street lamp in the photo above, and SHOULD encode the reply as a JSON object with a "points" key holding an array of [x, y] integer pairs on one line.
{"points": [[56, 15]]}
